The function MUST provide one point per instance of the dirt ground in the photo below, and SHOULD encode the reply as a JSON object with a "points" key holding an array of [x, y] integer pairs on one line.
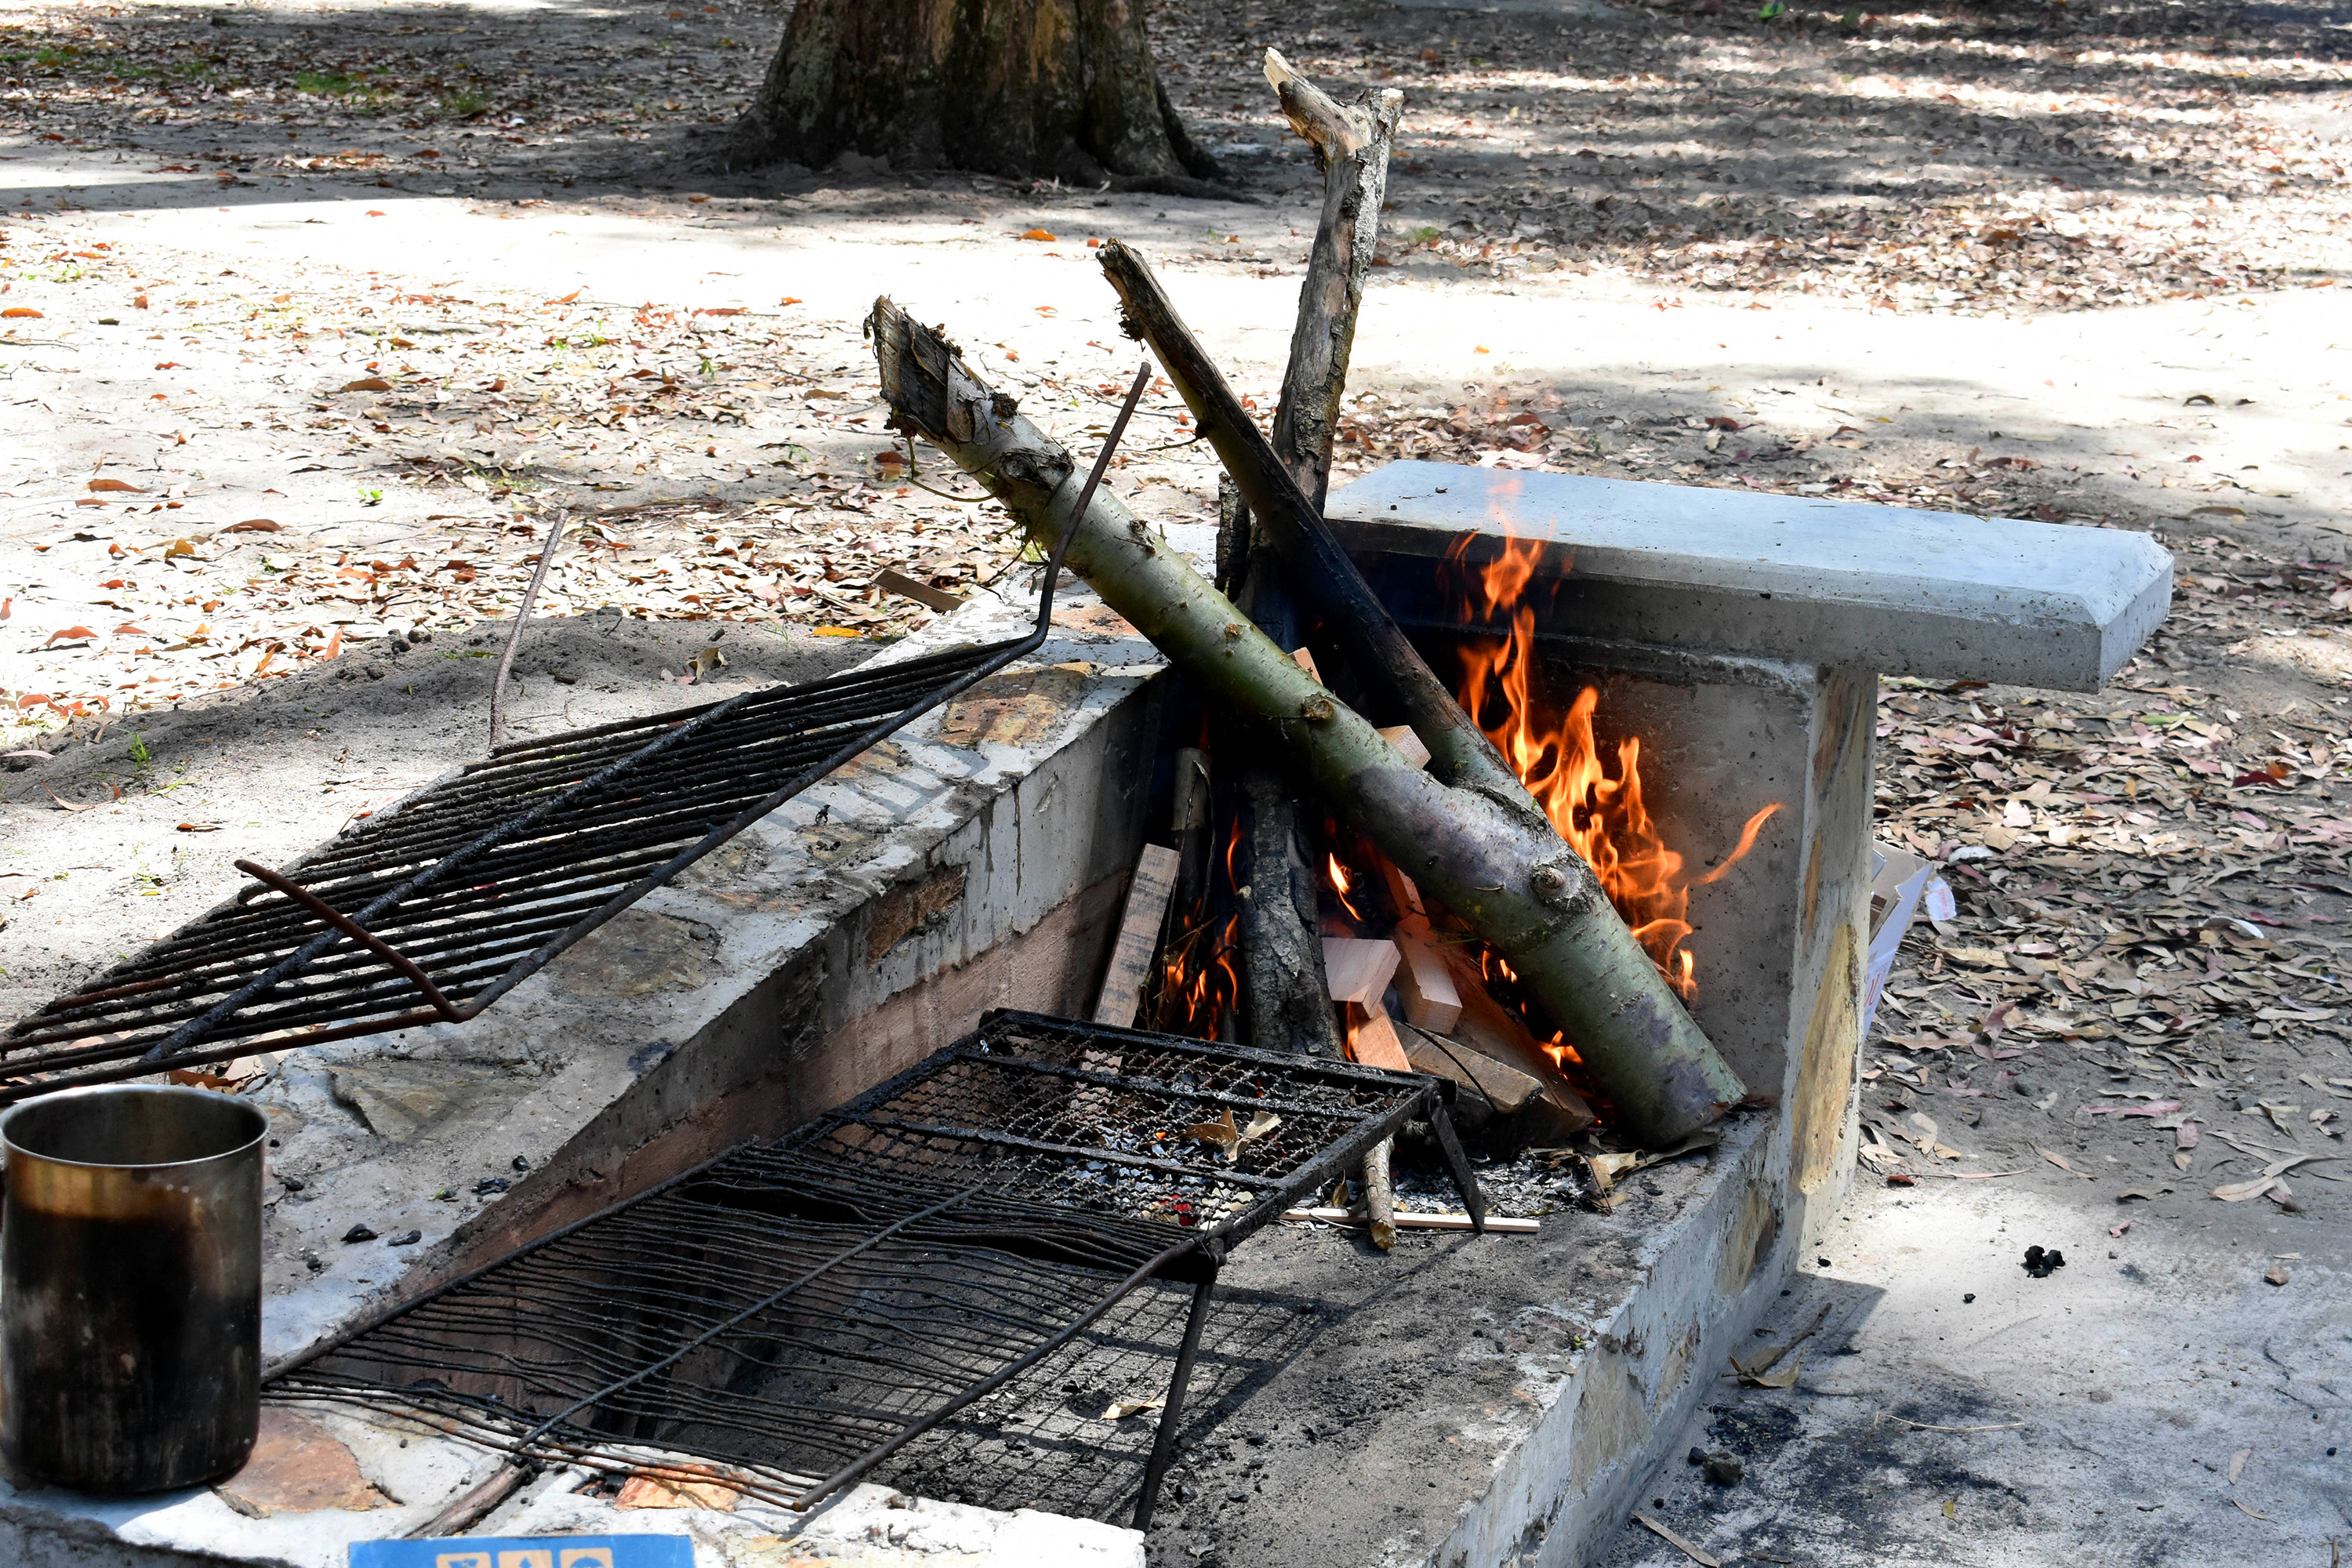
{"points": [[339, 308]]}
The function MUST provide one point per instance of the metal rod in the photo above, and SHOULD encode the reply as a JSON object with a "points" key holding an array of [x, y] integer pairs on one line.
{"points": [[357, 932], [1172, 1409]]}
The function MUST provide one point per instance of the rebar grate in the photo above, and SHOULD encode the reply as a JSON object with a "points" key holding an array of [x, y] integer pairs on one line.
{"points": [[1123, 1123], [467, 889], [796, 1312], [772, 1315]]}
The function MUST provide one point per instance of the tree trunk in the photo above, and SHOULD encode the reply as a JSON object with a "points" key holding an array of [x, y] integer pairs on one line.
{"points": [[1058, 89]]}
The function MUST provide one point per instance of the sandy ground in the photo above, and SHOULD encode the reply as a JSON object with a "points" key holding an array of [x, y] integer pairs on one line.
{"points": [[508, 293]]}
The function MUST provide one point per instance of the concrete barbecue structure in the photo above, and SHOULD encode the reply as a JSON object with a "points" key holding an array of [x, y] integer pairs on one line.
{"points": [[978, 861]]}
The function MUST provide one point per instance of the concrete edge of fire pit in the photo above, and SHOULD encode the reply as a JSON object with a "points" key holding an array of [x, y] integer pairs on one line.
{"points": [[1894, 589]]}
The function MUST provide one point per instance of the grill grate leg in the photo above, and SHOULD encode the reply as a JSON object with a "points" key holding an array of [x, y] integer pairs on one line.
{"points": [[1171, 1414], [1458, 1164]]}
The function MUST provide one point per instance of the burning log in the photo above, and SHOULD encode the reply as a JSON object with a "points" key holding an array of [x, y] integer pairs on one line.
{"points": [[1283, 984], [1488, 855]]}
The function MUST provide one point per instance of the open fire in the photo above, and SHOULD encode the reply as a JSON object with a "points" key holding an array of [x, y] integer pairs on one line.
{"points": [[1592, 792], [1600, 814]]}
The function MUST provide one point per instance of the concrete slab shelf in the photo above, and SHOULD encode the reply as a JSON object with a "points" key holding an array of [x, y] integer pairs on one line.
{"points": [[1823, 581]]}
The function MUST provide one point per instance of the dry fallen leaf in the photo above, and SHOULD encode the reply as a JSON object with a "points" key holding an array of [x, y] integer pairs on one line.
{"points": [[2239, 1192], [1774, 1377], [2060, 1161], [1222, 1133], [252, 525], [114, 485], [366, 384], [1120, 1409], [20, 313]]}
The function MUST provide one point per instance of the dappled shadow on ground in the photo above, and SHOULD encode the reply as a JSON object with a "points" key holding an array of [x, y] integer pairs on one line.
{"points": [[1961, 156], [1955, 155]]}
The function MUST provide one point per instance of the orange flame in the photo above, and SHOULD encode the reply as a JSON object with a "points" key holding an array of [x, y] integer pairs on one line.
{"points": [[1198, 983], [1342, 884], [1600, 814]]}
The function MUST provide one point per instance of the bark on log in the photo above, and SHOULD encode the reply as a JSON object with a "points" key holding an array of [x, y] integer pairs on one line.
{"points": [[1460, 753], [1511, 881], [1288, 1003], [1052, 89]]}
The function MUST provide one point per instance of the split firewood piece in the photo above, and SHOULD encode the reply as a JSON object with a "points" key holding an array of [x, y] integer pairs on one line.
{"points": [[1401, 737], [1138, 937], [1373, 1038], [1500, 869], [1357, 968], [1486, 1088], [1432, 1000]]}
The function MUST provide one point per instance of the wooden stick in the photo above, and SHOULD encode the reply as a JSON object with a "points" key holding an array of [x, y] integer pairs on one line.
{"points": [[1380, 1195], [1499, 870], [1352, 147], [1704, 1559], [1281, 962], [514, 637], [1409, 1220], [1138, 937]]}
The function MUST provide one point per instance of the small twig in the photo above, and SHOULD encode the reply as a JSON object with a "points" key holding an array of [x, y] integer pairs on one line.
{"points": [[514, 637], [1772, 1357], [1695, 1553], [1931, 1426]]}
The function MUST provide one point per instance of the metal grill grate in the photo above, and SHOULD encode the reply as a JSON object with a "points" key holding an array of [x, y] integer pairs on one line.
{"points": [[470, 888], [795, 1313], [1097, 1119]]}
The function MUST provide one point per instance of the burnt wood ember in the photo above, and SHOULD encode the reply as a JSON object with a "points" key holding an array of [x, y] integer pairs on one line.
{"points": [[798, 1310], [462, 893]]}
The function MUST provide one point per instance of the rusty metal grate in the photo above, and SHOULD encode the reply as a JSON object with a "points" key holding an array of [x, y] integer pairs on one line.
{"points": [[431, 912], [795, 1313], [1095, 1119]]}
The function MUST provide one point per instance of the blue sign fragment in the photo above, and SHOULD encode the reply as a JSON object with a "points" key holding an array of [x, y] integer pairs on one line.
{"points": [[528, 1551]]}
